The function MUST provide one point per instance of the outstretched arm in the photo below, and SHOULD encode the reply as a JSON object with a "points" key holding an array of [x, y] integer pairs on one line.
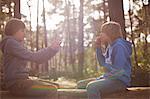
{"points": [[16, 49]]}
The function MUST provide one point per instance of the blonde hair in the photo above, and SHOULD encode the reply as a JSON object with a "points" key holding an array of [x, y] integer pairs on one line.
{"points": [[112, 29]]}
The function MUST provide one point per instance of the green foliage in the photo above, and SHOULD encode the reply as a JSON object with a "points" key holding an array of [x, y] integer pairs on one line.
{"points": [[91, 67], [142, 57], [141, 72]]}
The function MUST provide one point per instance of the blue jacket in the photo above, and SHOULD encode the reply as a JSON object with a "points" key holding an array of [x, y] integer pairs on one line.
{"points": [[117, 60]]}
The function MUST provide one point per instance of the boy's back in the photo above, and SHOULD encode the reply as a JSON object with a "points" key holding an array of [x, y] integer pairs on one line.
{"points": [[14, 67]]}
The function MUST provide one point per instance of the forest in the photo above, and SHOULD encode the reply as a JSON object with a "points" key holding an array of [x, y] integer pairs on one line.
{"points": [[78, 23]]}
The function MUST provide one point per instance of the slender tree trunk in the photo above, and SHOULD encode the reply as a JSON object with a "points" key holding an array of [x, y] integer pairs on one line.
{"points": [[70, 40], [81, 42], [105, 10], [73, 41], [9, 6], [132, 36], [147, 27], [66, 43], [37, 33], [37, 27], [44, 21], [68, 29], [1, 21], [45, 36], [31, 35], [17, 13], [116, 13], [30, 26], [0, 6], [60, 58]]}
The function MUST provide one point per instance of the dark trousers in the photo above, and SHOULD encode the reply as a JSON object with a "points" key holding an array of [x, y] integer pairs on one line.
{"points": [[30, 87]]}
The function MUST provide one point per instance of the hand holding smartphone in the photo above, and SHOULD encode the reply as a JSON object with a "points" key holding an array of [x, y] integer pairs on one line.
{"points": [[56, 43]]}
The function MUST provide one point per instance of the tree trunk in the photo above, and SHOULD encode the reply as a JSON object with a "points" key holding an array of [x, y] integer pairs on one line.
{"points": [[45, 36], [17, 13], [81, 42], [37, 34], [132, 36], [73, 41], [105, 10], [65, 47], [147, 29], [116, 13], [37, 27], [31, 34]]}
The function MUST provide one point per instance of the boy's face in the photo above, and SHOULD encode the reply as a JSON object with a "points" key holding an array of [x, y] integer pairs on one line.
{"points": [[20, 35], [104, 38]]}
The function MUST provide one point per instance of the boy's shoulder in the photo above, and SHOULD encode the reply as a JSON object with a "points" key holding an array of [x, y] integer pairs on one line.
{"points": [[8, 41], [116, 43], [121, 42], [8, 38]]}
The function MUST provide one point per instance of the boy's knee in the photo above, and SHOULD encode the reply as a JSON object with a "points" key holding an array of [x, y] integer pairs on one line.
{"points": [[81, 85], [92, 88]]}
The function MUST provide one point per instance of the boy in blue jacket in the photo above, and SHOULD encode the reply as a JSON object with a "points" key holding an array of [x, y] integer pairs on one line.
{"points": [[15, 57], [116, 61]]}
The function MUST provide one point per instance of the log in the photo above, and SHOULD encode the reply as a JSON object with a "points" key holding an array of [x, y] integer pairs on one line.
{"points": [[131, 93]]}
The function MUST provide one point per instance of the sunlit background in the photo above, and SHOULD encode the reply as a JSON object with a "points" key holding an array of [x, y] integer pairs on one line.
{"points": [[54, 18], [63, 18]]}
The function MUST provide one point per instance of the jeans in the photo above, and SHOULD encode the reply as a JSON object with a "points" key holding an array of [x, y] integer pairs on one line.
{"points": [[29, 87], [97, 88]]}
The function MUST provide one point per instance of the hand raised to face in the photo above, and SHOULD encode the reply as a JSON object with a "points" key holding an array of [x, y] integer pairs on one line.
{"points": [[101, 40], [98, 40]]}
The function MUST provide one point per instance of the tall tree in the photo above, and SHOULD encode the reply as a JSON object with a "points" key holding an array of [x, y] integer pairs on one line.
{"points": [[31, 41], [37, 27], [17, 13], [132, 34], [65, 47], [30, 29], [105, 10], [69, 34], [37, 34], [147, 24], [73, 41], [44, 21], [116, 13], [45, 36], [81, 41]]}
